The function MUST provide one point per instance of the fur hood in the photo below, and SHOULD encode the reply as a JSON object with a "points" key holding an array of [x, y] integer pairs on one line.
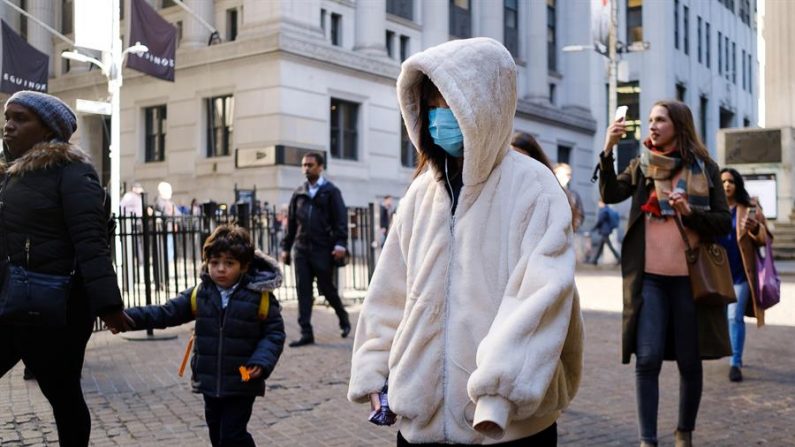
{"points": [[43, 156], [477, 78], [264, 273]]}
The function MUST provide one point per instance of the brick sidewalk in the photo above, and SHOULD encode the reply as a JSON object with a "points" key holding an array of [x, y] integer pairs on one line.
{"points": [[136, 398]]}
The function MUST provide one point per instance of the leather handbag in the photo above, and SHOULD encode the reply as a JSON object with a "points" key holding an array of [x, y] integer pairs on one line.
{"points": [[768, 286], [709, 271]]}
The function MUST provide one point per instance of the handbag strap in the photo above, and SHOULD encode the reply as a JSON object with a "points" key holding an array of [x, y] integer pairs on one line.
{"points": [[681, 227]]}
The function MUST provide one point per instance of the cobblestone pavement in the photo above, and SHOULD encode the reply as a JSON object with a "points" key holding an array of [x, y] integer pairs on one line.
{"points": [[136, 398]]}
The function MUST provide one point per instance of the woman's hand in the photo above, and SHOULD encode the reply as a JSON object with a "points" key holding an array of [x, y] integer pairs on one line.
{"points": [[678, 201], [375, 401], [751, 225], [614, 133]]}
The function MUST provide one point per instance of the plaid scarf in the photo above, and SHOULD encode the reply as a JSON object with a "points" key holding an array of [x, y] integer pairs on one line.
{"points": [[661, 167]]}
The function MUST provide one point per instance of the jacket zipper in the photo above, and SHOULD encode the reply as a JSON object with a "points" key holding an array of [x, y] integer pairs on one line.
{"points": [[221, 347], [446, 306]]}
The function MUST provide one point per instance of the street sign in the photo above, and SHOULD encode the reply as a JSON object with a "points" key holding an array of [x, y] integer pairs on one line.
{"points": [[96, 107]]}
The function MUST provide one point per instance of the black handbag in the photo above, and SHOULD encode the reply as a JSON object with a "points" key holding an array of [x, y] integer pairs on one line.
{"points": [[30, 298]]}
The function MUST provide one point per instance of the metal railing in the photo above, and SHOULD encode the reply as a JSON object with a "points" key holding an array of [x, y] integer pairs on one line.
{"points": [[161, 253]]}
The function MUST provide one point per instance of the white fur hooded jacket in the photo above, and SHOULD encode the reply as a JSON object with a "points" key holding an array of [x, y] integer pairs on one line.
{"points": [[473, 317]]}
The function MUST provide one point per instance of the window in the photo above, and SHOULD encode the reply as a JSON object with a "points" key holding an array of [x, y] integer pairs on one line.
{"points": [[698, 31], [336, 29], [750, 74], [734, 63], [408, 156], [231, 24], [23, 20], [745, 73], [220, 125], [634, 20], [460, 18], [686, 26], [344, 129], [404, 48], [746, 122], [676, 24], [401, 8], [745, 11], [511, 26], [726, 56], [552, 45], [726, 118], [67, 11], [552, 93], [155, 133], [323, 21], [729, 4], [708, 43], [390, 47], [564, 154], [720, 53], [703, 109], [179, 26], [167, 4], [681, 92]]}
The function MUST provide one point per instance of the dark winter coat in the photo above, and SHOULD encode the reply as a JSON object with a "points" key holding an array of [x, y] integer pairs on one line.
{"points": [[54, 221], [227, 339], [713, 332], [318, 223]]}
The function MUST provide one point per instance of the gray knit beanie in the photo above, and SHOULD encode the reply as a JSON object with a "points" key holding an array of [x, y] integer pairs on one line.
{"points": [[53, 112]]}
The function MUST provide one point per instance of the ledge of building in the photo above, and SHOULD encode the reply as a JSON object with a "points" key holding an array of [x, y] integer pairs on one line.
{"points": [[574, 118]]}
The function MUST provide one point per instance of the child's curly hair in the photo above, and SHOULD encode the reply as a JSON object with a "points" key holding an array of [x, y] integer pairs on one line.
{"points": [[232, 240]]}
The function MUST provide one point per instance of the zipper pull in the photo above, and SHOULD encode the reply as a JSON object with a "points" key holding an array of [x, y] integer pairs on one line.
{"points": [[27, 252]]}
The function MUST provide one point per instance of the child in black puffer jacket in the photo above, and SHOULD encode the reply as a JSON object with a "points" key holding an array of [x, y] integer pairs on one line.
{"points": [[238, 323]]}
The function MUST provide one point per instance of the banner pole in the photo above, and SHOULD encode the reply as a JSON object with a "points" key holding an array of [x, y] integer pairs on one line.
{"points": [[196, 16], [39, 22]]}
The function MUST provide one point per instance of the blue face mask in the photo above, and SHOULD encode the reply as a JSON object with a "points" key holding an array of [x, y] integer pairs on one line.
{"points": [[445, 131]]}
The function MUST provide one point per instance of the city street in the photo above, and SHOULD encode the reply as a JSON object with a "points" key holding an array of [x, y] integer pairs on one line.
{"points": [[136, 397]]}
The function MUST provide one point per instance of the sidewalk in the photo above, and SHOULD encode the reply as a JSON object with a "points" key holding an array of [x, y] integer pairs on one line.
{"points": [[137, 399]]}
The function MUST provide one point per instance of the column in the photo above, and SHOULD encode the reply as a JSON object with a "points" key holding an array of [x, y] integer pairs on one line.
{"points": [[435, 22], [194, 33], [37, 35], [576, 82], [370, 27], [301, 15], [10, 16], [536, 56], [491, 23]]}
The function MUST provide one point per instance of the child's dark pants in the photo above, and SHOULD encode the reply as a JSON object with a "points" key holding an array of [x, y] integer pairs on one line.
{"points": [[227, 418]]}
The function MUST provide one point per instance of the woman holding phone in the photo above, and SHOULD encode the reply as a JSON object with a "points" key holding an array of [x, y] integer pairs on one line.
{"points": [[749, 231], [673, 178]]}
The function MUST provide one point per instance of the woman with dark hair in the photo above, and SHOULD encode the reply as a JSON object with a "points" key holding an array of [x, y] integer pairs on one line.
{"points": [[749, 231], [673, 178], [527, 144], [53, 221], [472, 314]]}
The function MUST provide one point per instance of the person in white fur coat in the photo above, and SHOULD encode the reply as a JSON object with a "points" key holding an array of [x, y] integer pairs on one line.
{"points": [[472, 313]]}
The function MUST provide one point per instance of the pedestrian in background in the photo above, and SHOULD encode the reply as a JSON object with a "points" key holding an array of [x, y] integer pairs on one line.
{"points": [[227, 305], [563, 173], [315, 241], [673, 177], [471, 314], [749, 231], [386, 211], [527, 145], [607, 220], [53, 221]]}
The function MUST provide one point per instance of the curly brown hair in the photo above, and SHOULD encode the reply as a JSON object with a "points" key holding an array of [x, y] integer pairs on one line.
{"points": [[229, 239]]}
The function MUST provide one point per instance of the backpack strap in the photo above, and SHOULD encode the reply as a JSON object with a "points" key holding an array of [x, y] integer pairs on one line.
{"points": [[264, 305], [193, 304]]}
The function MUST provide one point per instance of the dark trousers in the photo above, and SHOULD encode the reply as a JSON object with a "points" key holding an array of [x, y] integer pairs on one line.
{"points": [[316, 264], [55, 357], [667, 306], [547, 437], [227, 418], [604, 239]]}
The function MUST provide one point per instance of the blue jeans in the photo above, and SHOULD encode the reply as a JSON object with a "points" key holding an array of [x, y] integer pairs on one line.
{"points": [[736, 311], [667, 305]]}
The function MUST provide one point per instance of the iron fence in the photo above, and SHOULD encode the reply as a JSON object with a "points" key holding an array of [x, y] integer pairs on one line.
{"points": [[161, 254]]}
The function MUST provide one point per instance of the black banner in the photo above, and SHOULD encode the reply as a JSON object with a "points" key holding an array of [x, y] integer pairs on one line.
{"points": [[24, 67], [147, 27]]}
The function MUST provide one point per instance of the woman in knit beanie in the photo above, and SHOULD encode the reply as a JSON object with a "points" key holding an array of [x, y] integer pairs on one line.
{"points": [[52, 221]]}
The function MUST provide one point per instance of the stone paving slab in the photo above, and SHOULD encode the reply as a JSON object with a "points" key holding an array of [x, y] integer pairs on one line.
{"points": [[137, 399]]}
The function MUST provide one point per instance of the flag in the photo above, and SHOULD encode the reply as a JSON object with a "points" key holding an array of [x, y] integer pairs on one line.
{"points": [[24, 67], [147, 27]]}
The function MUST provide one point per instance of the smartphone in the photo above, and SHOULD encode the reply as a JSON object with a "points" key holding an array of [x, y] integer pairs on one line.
{"points": [[621, 113], [752, 212]]}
